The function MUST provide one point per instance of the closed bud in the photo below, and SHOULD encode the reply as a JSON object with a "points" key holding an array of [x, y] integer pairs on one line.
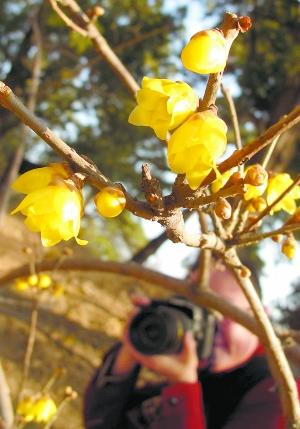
{"points": [[234, 179], [256, 175], [206, 52], [110, 201], [277, 238], [245, 272], [222, 208], [33, 279], [259, 204], [289, 246]]}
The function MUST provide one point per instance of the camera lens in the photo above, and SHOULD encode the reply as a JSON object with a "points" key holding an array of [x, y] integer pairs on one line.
{"points": [[158, 331]]}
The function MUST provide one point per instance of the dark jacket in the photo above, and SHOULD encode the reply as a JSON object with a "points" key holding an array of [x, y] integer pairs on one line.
{"points": [[244, 398]]}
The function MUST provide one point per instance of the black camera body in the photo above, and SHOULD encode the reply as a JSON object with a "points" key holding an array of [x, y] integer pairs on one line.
{"points": [[159, 328]]}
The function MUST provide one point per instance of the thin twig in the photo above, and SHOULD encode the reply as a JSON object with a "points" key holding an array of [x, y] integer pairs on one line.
{"points": [[270, 152], [29, 348], [255, 238], [236, 128], [89, 29]]}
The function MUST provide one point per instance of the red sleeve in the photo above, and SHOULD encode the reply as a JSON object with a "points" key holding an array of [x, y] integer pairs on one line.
{"points": [[181, 407]]}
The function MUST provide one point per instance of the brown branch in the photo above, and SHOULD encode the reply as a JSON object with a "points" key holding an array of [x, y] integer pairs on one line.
{"points": [[204, 298], [69, 22], [278, 363], [255, 238], [11, 102], [89, 29], [248, 151]]}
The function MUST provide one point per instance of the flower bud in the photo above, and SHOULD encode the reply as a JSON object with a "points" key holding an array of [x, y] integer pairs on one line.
{"points": [[277, 238], [223, 208], [110, 201], [245, 272], [33, 279], [206, 52], [44, 281], [256, 175], [259, 204], [234, 179], [289, 246]]}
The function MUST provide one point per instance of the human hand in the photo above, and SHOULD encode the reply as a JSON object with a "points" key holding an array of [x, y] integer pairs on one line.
{"points": [[180, 367]]}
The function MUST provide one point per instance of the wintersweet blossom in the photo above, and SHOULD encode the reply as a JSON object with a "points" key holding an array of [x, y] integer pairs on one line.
{"points": [[276, 186], [52, 205], [196, 145], [206, 52], [163, 105], [37, 409]]}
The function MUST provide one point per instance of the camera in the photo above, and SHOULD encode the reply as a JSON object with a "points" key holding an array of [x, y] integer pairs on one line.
{"points": [[159, 328]]}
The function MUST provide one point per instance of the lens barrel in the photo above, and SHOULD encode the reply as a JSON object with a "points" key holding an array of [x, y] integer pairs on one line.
{"points": [[159, 330]]}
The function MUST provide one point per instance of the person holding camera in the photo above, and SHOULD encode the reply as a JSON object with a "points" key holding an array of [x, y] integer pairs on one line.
{"points": [[216, 374]]}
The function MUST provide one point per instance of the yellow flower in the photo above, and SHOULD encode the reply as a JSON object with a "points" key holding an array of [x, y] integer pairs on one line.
{"points": [[110, 201], [289, 247], [220, 181], [25, 409], [44, 409], [196, 145], [206, 52], [52, 206], [21, 284], [163, 105], [44, 281], [276, 186], [39, 178]]}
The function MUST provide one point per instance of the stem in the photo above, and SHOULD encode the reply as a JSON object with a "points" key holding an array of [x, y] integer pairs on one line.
{"points": [[89, 29], [234, 118], [29, 348], [270, 152]]}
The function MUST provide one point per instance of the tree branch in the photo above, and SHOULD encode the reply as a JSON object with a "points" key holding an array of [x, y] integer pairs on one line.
{"points": [[248, 151], [87, 28], [203, 298]]}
